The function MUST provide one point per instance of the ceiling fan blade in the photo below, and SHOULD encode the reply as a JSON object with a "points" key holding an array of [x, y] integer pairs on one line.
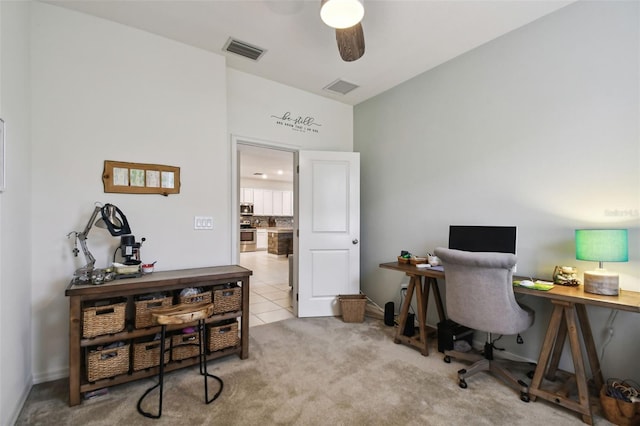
{"points": [[350, 42]]}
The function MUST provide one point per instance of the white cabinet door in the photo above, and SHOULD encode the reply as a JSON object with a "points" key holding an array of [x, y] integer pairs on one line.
{"points": [[258, 202], [261, 240], [277, 203], [287, 203], [267, 202], [246, 195]]}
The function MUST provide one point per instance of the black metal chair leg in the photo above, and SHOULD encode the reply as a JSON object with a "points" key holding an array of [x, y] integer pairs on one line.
{"points": [[203, 366], [159, 384]]}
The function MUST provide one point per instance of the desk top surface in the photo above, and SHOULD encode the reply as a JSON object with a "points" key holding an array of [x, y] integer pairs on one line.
{"points": [[627, 300], [175, 277]]}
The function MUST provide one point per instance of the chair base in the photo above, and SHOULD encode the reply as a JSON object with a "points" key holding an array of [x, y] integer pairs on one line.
{"points": [[484, 362]]}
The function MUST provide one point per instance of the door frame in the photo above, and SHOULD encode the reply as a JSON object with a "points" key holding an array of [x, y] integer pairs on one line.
{"points": [[235, 186]]}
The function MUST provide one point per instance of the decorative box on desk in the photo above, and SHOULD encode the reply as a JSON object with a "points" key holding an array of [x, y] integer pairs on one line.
{"points": [[124, 326]]}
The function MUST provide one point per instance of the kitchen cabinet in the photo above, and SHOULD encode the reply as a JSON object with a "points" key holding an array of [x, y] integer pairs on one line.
{"points": [[246, 195], [287, 203], [218, 280], [277, 203], [261, 241]]}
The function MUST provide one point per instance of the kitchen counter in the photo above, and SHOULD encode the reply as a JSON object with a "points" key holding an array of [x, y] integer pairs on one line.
{"points": [[280, 230]]}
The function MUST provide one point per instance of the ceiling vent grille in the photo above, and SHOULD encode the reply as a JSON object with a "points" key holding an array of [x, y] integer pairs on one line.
{"points": [[340, 86], [243, 49]]}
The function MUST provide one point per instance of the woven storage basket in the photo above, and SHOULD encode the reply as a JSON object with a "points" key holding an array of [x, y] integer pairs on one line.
{"points": [[223, 336], [352, 306], [144, 308], [205, 296], [106, 319], [147, 354], [618, 411], [227, 300], [184, 345], [105, 363]]}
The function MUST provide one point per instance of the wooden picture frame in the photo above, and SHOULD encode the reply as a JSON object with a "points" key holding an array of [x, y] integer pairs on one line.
{"points": [[140, 178]]}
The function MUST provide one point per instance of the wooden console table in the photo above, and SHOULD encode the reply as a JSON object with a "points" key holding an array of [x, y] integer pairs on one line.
{"points": [[569, 312], [166, 281]]}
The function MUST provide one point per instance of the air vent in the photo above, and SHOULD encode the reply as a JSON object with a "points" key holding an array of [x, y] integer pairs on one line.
{"points": [[243, 49], [341, 86]]}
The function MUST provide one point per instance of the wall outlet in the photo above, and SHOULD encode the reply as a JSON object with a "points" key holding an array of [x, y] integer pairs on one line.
{"points": [[202, 222]]}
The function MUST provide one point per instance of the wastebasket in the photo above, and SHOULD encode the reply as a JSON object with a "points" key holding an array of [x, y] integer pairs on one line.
{"points": [[352, 306]]}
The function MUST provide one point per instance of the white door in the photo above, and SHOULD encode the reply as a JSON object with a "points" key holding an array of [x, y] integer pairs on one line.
{"points": [[329, 230]]}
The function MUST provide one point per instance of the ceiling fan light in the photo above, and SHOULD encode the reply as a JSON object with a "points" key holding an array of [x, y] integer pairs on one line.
{"points": [[341, 13]]}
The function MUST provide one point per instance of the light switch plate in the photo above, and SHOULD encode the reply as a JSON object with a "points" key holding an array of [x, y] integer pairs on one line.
{"points": [[202, 222]]}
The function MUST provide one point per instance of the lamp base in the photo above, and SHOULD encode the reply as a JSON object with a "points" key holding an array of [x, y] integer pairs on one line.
{"points": [[601, 282]]}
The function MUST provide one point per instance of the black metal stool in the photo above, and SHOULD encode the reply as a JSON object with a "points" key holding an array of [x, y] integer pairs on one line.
{"points": [[175, 315]]}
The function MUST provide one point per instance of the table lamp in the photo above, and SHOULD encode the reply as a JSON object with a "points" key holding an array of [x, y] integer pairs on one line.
{"points": [[601, 245]]}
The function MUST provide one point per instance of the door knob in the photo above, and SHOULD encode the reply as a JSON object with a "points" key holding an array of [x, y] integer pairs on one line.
{"points": [[355, 241]]}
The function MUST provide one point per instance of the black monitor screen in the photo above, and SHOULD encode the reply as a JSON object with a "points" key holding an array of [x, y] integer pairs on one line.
{"points": [[501, 239]]}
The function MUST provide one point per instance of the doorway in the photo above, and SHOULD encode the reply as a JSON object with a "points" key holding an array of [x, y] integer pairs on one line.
{"points": [[265, 183]]}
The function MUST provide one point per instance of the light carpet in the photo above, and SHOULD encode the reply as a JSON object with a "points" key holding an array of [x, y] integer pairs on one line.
{"points": [[312, 371]]}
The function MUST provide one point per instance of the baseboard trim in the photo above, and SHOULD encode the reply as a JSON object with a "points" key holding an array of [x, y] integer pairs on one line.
{"points": [[17, 409]]}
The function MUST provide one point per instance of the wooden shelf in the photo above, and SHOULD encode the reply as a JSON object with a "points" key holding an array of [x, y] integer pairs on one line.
{"points": [[159, 282]]}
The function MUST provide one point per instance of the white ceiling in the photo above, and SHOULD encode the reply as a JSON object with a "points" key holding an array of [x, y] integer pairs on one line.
{"points": [[402, 39]]}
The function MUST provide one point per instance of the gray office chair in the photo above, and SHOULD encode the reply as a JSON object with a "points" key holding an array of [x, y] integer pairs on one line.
{"points": [[479, 293]]}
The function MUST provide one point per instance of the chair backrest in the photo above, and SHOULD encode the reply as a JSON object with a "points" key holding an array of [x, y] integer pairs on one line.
{"points": [[479, 291]]}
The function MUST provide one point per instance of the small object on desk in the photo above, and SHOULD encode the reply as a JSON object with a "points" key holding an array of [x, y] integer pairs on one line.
{"points": [[537, 285], [423, 265]]}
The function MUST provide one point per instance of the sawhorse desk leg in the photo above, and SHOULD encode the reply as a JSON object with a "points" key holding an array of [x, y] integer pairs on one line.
{"points": [[562, 324], [422, 299]]}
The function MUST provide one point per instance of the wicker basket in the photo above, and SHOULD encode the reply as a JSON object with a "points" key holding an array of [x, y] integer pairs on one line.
{"points": [[619, 412], [353, 307], [223, 336], [403, 259], [203, 297], [104, 319], [184, 346], [227, 300], [147, 354], [105, 363], [144, 308]]}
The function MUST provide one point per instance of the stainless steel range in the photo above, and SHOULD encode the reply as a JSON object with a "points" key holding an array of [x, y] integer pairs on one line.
{"points": [[248, 239]]}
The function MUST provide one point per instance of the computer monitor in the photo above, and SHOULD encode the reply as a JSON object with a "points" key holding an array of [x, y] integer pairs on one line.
{"points": [[501, 239]]}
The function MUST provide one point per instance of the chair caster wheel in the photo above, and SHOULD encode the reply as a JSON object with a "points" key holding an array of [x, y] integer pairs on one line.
{"points": [[462, 383], [447, 359], [524, 397]]}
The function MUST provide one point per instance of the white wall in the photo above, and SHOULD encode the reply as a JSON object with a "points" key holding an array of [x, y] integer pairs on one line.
{"points": [[539, 129], [254, 101], [103, 91], [15, 213]]}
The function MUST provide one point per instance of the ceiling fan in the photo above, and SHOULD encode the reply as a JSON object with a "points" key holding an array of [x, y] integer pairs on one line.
{"points": [[345, 16]]}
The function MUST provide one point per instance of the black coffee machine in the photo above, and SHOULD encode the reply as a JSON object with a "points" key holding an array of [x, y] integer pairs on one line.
{"points": [[130, 249]]}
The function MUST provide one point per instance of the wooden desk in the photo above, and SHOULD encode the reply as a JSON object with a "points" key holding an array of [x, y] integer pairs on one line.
{"points": [[569, 304], [421, 288]]}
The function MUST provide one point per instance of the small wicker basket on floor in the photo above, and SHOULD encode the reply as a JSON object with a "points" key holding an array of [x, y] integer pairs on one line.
{"points": [[352, 306], [618, 411]]}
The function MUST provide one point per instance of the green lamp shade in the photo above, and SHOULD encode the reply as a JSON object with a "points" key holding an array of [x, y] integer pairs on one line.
{"points": [[602, 245]]}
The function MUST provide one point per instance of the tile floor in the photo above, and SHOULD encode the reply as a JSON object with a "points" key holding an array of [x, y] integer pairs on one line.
{"points": [[270, 295]]}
